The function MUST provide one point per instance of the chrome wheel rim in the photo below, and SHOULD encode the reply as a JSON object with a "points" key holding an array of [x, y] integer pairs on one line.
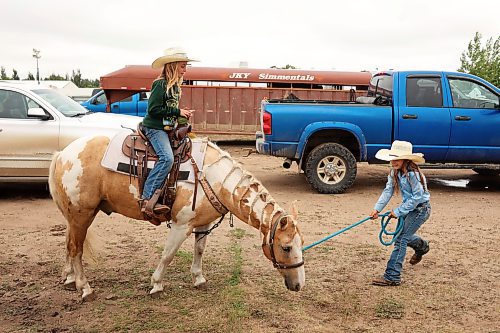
{"points": [[331, 170]]}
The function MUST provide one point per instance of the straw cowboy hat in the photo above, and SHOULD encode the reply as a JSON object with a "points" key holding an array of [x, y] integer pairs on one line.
{"points": [[171, 55], [400, 150]]}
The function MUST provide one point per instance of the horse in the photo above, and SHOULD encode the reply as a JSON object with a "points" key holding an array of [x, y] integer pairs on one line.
{"points": [[81, 187]]}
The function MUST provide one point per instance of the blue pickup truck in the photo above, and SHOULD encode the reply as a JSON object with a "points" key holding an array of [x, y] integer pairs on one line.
{"points": [[135, 105], [453, 118]]}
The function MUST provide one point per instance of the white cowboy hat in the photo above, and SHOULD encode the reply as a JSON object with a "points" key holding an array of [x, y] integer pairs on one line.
{"points": [[400, 150], [171, 55]]}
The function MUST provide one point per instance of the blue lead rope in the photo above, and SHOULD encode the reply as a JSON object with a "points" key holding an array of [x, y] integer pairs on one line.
{"points": [[383, 231]]}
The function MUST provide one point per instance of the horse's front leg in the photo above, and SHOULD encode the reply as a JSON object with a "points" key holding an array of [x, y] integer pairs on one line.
{"points": [[200, 241], [68, 274], [175, 238]]}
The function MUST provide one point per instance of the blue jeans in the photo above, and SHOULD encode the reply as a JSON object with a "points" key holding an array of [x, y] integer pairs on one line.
{"points": [[161, 144], [407, 237]]}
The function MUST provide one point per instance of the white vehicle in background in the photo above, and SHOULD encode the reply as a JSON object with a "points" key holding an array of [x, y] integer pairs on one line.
{"points": [[36, 122]]}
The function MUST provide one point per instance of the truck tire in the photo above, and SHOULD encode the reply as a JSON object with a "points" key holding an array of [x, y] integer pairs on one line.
{"points": [[486, 172], [330, 168]]}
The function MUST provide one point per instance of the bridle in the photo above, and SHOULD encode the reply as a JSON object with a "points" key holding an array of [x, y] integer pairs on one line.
{"points": [[276, 264], [219, 206]]}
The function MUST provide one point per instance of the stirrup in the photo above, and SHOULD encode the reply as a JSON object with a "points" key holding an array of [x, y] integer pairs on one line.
{"points": [[157, 209]]}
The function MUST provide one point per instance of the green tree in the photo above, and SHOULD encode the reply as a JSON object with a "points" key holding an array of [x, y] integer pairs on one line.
{"points": [[287, 66], [76, 77], [89, 83], [482, 61], [3, 74], [56, 77], [30, 77], [14, 75]]}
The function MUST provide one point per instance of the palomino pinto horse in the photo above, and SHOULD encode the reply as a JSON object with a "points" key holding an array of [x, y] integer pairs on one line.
{"points": [[81, 187]]}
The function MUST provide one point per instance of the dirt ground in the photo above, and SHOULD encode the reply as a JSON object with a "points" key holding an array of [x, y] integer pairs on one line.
{"points": [[454, 289]]}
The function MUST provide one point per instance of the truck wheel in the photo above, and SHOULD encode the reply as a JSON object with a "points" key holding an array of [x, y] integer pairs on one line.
{"points": [[486, 172], [330, 168]]}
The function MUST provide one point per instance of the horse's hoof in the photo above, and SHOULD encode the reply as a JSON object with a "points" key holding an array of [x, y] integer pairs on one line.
{"points": [[155, 294], [201, 285], [71, 286], [88, 297]]}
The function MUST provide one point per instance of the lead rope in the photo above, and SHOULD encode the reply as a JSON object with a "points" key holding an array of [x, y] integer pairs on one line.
{"points": [[383, 231]]}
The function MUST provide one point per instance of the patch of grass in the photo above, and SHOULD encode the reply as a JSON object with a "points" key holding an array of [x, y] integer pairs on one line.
{"points": [[326, 249], [237, 233], [235, 278], [99, 309], [390, 308], [185, 257], [233, 292]]}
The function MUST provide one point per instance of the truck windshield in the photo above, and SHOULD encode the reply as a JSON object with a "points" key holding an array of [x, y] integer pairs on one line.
{"points": [[62, 103]]}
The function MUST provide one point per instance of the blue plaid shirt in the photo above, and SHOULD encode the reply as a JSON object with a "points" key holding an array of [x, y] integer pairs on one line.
{"points": [[411, 189]]}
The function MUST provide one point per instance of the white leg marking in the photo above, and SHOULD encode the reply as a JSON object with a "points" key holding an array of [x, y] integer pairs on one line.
{"points": [[175, 238], [81, 281], [199, 247]]}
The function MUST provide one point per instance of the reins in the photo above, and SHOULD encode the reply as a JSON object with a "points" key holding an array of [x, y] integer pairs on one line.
{"points": [[383, 231]]}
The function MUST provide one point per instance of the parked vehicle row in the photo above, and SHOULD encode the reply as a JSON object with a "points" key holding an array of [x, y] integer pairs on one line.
{"points": [[36, 122]]}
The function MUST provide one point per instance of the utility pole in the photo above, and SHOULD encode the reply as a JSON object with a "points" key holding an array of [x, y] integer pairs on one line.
{"points": [[36, 55]]}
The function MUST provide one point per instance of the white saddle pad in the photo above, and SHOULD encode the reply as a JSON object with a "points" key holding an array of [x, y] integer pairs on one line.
{"points": [[115, 160]]}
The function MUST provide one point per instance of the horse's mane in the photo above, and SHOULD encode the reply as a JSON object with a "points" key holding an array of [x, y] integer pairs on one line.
{"points": [[252, 184]]}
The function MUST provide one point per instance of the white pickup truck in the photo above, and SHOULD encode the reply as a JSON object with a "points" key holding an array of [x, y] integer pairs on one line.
{"points": [[36, 121]]}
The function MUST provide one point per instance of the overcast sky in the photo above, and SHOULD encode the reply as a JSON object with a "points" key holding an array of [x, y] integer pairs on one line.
{"points": [[100, 36]]}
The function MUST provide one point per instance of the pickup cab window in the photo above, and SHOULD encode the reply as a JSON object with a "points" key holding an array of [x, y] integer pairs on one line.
{"points": [[14, 105], [101, 99], [424, 92], [473, 95], [380, 85]]}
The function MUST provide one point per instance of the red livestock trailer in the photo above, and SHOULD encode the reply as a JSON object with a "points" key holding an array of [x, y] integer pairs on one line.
{"points": [[227, 100]]}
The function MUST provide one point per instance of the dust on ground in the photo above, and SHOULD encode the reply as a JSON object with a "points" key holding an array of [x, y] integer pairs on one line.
{"points": [[454, 289]]}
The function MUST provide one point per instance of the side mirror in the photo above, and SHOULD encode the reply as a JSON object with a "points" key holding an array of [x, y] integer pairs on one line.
{"points": [[38, 113]]}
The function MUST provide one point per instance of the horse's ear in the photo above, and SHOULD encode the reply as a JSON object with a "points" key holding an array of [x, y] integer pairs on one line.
{"points": [[294, 210], [283, 223]]}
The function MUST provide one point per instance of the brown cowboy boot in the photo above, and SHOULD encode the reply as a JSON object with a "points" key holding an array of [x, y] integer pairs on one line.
{"points": [[381, 281], [157, 209], [417, 256]]}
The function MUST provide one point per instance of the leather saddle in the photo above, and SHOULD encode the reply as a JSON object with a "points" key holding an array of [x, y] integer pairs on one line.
{"points": [[137, 147]]}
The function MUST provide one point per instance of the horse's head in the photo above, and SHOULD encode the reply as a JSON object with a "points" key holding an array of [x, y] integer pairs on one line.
{"points": [[283, 246]]}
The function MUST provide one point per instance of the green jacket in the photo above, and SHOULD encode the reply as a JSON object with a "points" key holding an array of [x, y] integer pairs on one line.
{"points": [[162, 105]]}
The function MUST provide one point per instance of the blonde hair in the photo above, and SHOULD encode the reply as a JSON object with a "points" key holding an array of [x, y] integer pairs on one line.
{"points": [[170, 73], [408, 165]]}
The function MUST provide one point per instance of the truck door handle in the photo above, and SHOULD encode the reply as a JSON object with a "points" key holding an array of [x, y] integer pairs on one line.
{"points": [[462, 118], [410, 116]]}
